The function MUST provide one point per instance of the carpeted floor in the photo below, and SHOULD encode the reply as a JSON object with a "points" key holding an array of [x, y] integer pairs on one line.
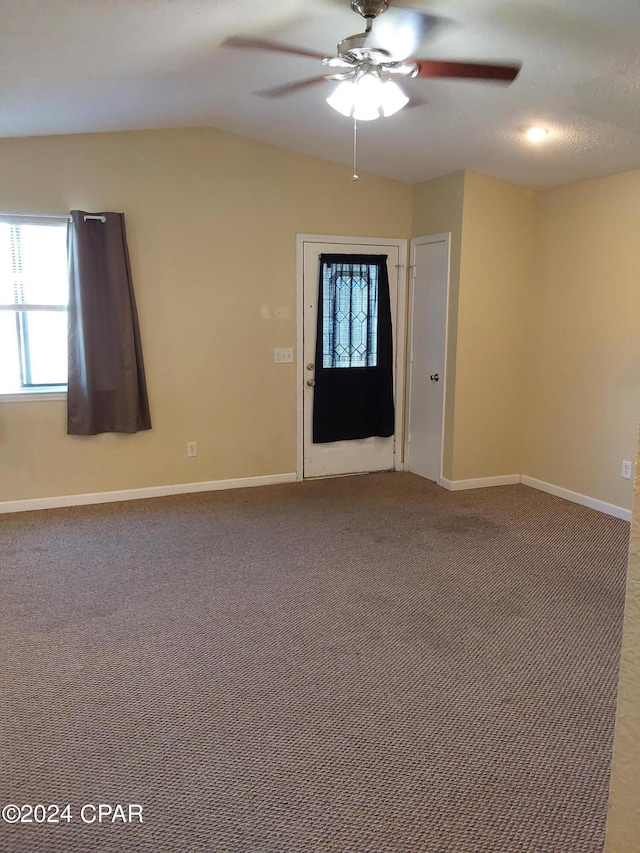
{"points": [[359, 665]]}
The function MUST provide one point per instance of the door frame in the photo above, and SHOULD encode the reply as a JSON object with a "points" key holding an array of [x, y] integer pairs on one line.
{"points": [[421, 241], [399, 329]]}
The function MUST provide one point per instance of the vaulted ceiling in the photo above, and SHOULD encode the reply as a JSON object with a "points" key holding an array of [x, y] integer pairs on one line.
{"points": [[86, 66]]}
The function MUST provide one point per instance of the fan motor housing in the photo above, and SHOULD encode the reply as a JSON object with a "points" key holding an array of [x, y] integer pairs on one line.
{"points": [[369, 8], [359, 47]]}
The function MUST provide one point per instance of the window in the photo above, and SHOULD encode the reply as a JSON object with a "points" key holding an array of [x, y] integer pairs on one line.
{"points": [[350, 314], [34, 293]]}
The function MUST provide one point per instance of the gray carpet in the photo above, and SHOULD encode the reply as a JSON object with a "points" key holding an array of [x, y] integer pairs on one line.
{"points": [[359, 665]]}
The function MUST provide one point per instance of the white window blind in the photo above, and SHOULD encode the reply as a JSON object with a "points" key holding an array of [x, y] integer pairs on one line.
{"points": [[33, 303]]}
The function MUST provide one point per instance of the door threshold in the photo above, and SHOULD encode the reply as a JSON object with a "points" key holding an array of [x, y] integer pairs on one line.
{"points": [[350, 474]]}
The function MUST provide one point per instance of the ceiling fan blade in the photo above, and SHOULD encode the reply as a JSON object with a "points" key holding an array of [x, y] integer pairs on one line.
{"points": [[466, 70], [251, 43], [290, 88], [401, 31], [415, 101], [426, 22]]}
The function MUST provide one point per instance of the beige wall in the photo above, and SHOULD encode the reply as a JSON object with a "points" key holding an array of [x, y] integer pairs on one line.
{"points": [[492, 226], [584, 397], [543, 356], [212, 220], [498, 230], [623, 826], [544, 364], [437, 209]]}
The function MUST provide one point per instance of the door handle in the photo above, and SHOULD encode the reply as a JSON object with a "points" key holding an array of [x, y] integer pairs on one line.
{"points": [[434, 377], [311, 382]]}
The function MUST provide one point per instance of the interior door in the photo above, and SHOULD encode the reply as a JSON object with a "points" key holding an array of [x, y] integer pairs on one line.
{"points": [[427, 347], [356, 455]]}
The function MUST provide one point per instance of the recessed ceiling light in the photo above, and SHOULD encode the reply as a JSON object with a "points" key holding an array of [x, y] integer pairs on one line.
{"points": [[536, 134]]}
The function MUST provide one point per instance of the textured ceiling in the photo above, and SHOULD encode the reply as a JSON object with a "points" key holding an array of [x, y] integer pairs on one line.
{"points": [[83, 66]]}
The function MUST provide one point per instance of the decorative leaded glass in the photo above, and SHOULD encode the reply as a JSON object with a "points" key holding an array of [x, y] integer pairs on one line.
{"points": [[350, 314]]}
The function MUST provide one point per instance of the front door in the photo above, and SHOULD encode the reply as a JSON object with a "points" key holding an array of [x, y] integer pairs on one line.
{"points": [[357, 455]]}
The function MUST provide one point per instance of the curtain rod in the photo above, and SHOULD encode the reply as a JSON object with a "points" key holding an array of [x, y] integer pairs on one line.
{"points": [[36, 215], [100, 217]]}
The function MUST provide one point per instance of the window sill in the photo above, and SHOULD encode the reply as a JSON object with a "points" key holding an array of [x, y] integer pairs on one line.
{"points": [[32, 396]]}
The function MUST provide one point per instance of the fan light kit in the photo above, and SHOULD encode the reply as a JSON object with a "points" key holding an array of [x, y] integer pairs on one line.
{"points": [[367, 97]]}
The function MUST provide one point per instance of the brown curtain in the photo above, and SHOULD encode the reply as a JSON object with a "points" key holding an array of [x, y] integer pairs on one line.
{"points": [[107, 387]]}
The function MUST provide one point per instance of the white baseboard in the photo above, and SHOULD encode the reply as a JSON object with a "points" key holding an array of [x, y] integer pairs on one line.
{"points": [[577, 498], [558, 491], [149, 492], [480, 482], [274, 479]]}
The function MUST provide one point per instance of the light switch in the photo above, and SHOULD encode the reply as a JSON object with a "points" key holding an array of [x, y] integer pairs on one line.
{"points": [[283, 355]]}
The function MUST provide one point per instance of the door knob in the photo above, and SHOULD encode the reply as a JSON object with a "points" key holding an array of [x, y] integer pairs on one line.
{"points": [[434, 377], [311, 382], [310, 366]]}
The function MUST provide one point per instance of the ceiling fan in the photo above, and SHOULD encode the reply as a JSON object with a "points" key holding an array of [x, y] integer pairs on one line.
{"points": [[368, 65]]}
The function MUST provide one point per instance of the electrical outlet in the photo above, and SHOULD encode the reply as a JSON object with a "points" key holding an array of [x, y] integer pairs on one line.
{"points": [[626, 469], [283, 355], [192, 448]]}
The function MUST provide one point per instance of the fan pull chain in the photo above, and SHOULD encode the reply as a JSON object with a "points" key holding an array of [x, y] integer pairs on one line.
{"points": [[355, 177]]}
